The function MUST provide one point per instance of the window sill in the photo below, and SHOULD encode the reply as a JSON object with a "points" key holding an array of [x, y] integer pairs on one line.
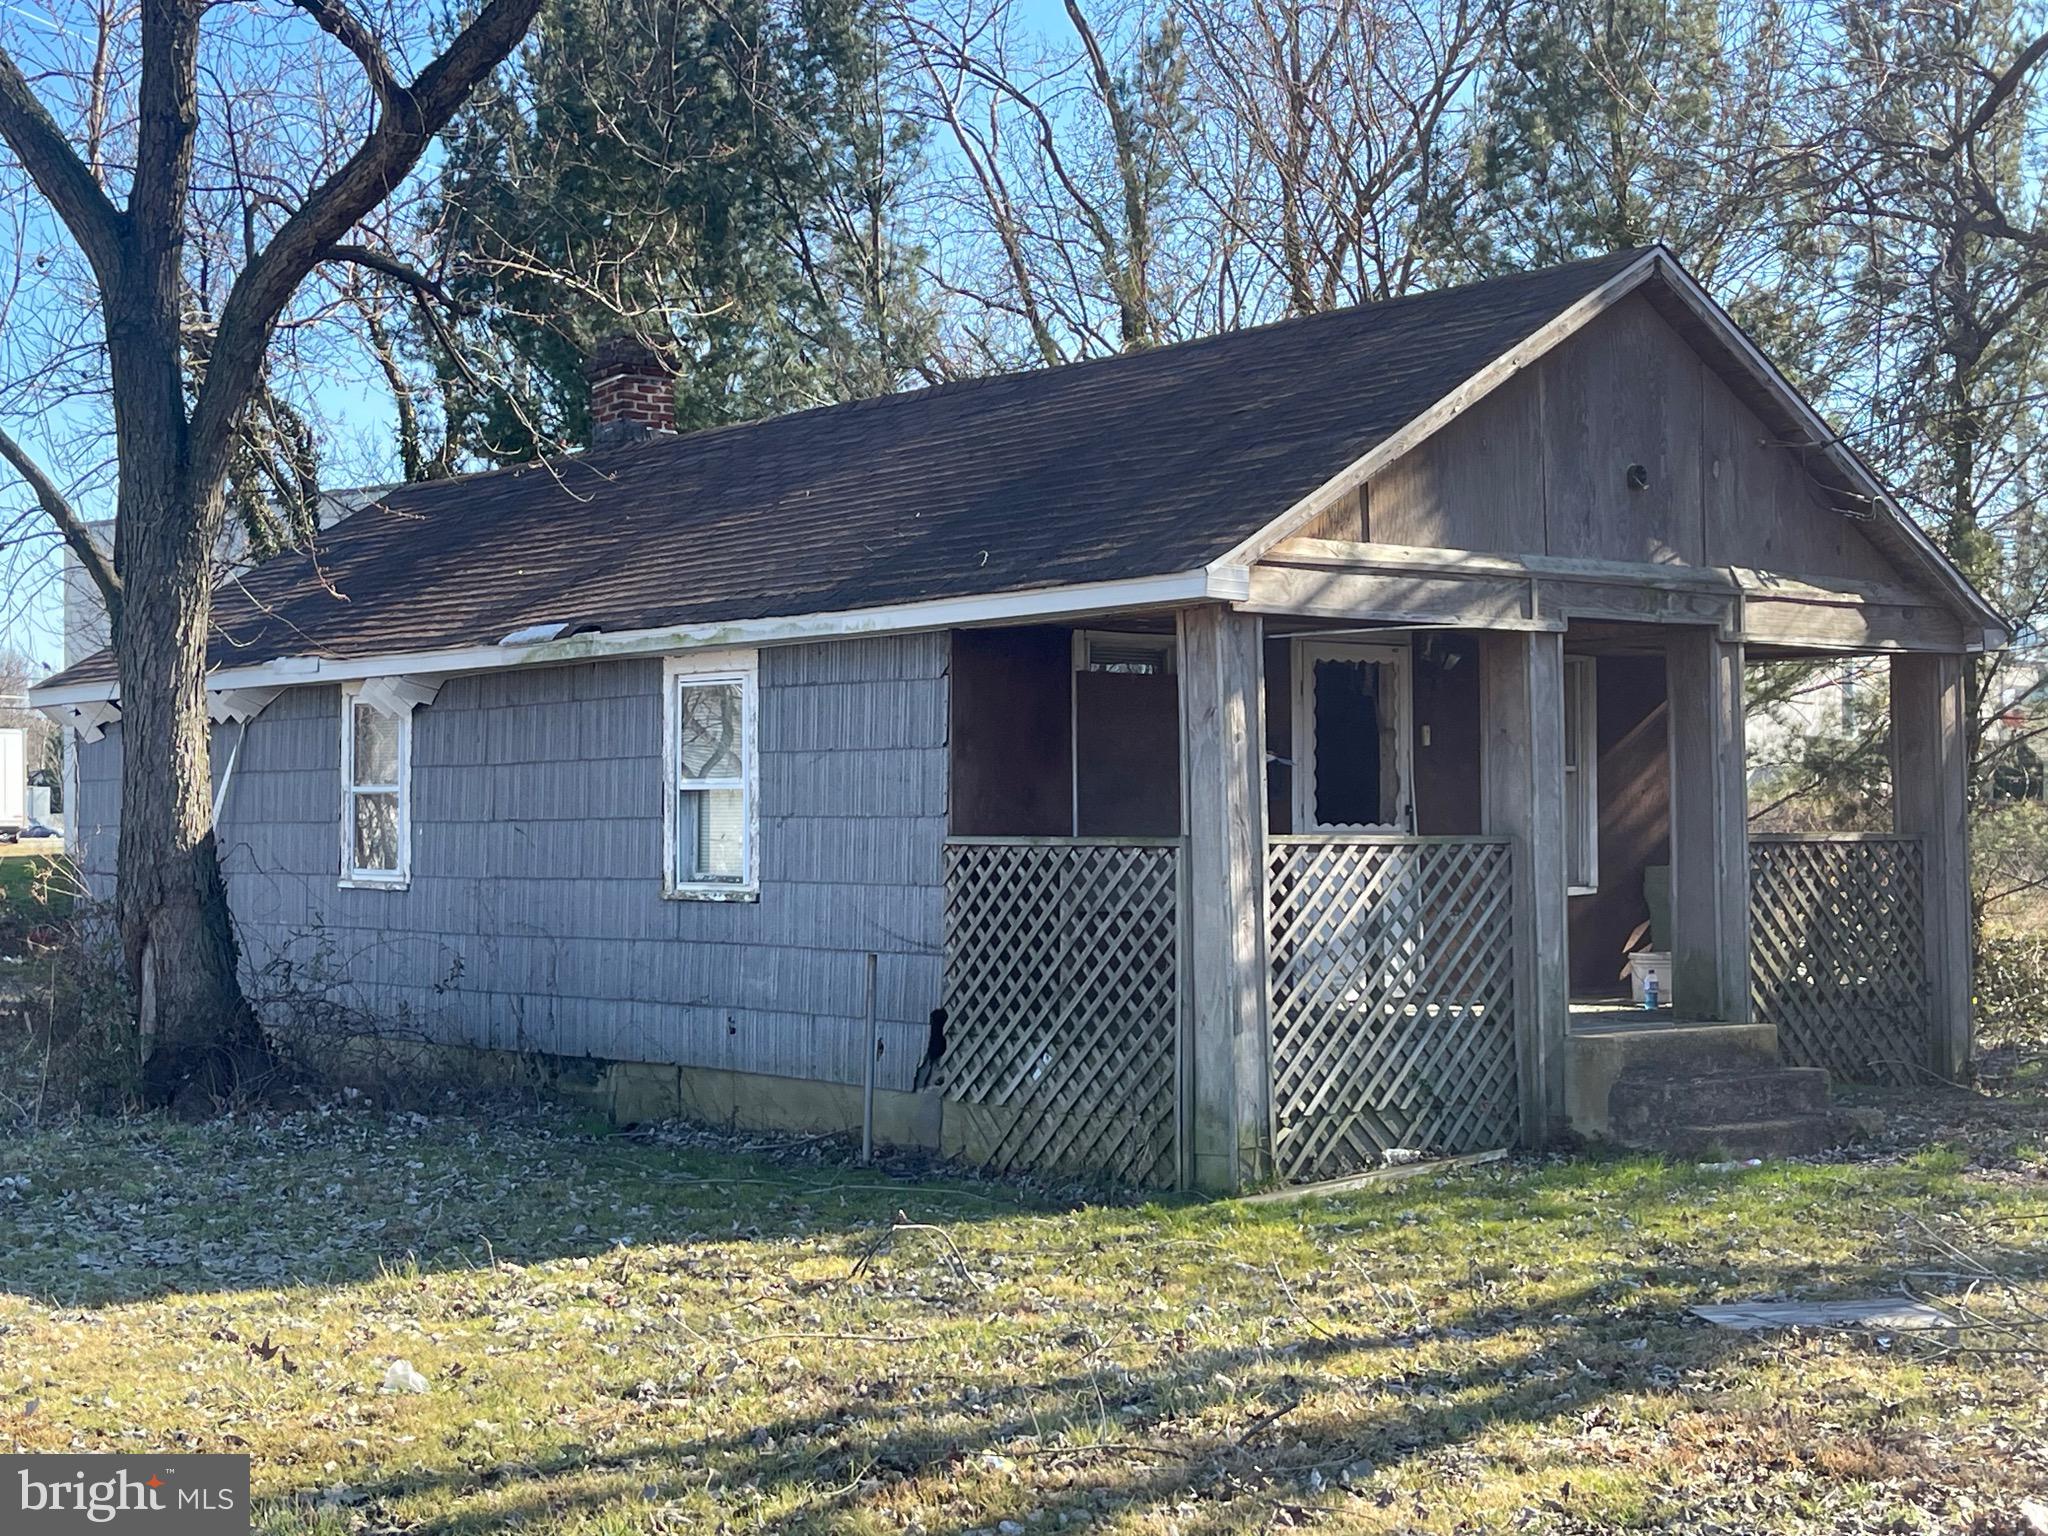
{"points": [[373, 883], [711, 893]]}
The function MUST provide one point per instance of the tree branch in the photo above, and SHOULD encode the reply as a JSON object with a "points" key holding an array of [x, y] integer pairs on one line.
{"points": [[339, 23], [69, 524], [2001, 91], [386, 156], [398, 271], [63, 178]]}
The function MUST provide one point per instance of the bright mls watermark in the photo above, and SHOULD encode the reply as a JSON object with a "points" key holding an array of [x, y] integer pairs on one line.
{"points": [[161, 1495]]}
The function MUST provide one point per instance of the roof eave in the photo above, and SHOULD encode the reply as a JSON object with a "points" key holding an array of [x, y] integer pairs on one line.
{"points": [[1215, 583]]}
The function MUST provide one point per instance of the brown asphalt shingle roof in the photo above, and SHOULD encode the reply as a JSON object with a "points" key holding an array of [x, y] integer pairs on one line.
{"points": [[1148, 464]]}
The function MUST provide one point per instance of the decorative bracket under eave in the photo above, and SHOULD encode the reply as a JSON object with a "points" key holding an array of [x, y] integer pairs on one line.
{"points": [[238, 704], [90, 719], [399, 695]]}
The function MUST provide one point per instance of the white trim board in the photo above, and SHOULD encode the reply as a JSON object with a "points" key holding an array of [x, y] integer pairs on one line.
{"points": [[1216, 583]]}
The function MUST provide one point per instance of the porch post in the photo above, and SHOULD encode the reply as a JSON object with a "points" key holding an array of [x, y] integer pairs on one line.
{"points": [[1229, 1057], [1521, 766], [1709, 826], [1930, 795]]}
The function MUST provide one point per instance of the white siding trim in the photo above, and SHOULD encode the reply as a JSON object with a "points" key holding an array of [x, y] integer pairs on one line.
{"points": [[1217, 583]]}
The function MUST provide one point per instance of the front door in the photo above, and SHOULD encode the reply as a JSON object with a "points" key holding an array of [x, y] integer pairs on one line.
{"points": [[1352, 763]]}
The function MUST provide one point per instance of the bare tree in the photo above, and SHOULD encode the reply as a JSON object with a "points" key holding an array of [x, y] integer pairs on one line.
{"points": [[1919, 136], [1325, 134], [1147, 175], [1059, 212], [155, 143]]}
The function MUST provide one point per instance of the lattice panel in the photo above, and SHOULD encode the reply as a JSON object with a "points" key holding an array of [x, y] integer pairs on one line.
{"points": [[1063, 1003], [1392, 1000], [1837, 953]]}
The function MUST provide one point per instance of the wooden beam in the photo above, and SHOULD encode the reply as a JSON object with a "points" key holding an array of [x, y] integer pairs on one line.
{"points": [[1930, 801], [1403, 584], [1521, 763], [1340, 554], [1229, 1115], [1709, 827], [1632, 602], [1849, 627], [1391, 597]]}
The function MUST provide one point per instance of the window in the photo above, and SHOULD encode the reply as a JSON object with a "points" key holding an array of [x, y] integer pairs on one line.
{"points": [[376, 788], [711, 778], [1107, 651], [1581, 777]]}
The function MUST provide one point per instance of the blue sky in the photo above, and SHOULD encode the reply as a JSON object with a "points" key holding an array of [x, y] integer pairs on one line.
{"points": [[356, 412]]}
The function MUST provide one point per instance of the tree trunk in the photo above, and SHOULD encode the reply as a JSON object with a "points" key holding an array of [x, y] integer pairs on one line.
{"points": [[176, 934]]}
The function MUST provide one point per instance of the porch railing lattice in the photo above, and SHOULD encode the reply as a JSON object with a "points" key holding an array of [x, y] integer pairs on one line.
{"points": [[1837, 952], [1392, 973], [1063, 1002]]}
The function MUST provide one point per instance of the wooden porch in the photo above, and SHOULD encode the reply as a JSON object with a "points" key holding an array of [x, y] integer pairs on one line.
{"points": [[1402, 839], [1235, 1003]]}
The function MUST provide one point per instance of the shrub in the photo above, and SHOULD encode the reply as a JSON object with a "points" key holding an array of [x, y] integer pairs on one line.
{"points": [[73, 1045], [2012, 997]]}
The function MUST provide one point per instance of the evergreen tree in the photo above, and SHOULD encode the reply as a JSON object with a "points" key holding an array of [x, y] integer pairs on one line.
{"points": [[718, 179], [1607, 124]]}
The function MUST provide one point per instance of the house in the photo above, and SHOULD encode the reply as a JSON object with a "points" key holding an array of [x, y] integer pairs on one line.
{"points": [[1242, 758]]}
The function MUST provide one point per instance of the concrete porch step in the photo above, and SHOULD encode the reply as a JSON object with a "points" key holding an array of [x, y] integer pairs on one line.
{"points": [[1599, 1056], [1641, 1103]]}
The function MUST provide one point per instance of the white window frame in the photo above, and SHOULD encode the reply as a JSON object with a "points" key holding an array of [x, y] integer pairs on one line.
{"points": [[374, 879], [712, 667], [1582, 725]]}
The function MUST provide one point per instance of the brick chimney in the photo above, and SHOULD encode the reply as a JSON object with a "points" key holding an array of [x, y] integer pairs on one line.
{"points": [[631, 391]]}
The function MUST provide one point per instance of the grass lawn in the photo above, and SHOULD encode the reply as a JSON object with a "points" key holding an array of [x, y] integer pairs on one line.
{"points": [[622, 1335]]}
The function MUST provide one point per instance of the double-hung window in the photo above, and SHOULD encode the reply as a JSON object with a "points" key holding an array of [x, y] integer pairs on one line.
{"points": [[376, 786], [712, 777]]}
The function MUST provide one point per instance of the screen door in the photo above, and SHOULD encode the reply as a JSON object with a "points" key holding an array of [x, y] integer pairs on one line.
{"points": [[1352, 761]]}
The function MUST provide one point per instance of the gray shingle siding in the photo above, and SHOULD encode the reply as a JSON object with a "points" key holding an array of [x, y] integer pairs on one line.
{"points": [[535, 918]]}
